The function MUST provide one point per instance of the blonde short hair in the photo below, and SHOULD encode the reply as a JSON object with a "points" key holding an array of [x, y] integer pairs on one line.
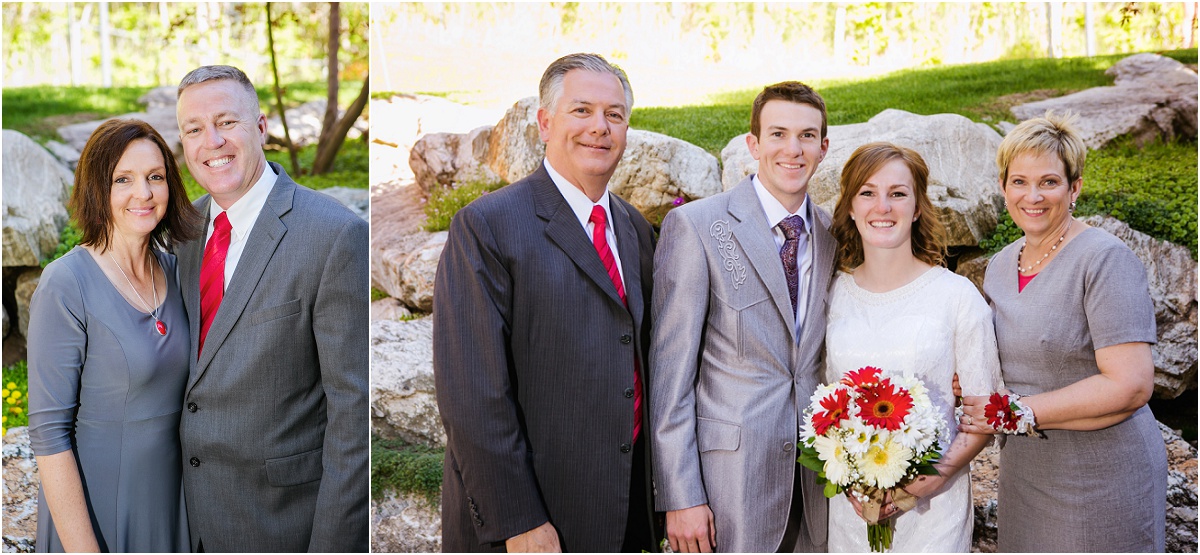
{"points": [[1050, 134]]}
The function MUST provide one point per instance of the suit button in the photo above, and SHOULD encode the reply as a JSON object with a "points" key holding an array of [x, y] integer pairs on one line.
{"points": [[626, 339], [192, 407], [625, 448], [629, 393], [194, 461], [787, 446]]}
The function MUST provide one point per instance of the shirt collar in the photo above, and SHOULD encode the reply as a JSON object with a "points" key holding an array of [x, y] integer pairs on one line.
{"points": [[774, 210], [580, 204], [244, 212]]}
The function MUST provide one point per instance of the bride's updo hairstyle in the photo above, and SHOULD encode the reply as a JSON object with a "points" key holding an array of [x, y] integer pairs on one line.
{"points": [[928, 233]]}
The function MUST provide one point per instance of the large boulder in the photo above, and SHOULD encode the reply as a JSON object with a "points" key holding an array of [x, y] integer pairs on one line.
{"points": [[20, 492], [515, 147], [397, 217], [1180, 499], [65, 154], [1152, 97], [963, 180], [446, 159], [162, 119], [389, 308], [403, 523], [398, 121], [23, 292], [354, 198], [36, 189], [1171, 273], [304, 124], [403, 397], [658, 172]]}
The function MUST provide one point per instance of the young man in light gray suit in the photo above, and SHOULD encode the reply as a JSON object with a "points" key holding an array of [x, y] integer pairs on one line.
{"points": [[275, 431], [541, 325], [739, 327]]}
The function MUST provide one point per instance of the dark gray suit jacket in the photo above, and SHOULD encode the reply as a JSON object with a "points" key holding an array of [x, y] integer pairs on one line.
{"points": [[534, 357], [275, 427]]}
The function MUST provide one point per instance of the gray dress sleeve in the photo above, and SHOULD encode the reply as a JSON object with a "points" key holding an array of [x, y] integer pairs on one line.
{"points": [[57, 346], [1116, 298]]}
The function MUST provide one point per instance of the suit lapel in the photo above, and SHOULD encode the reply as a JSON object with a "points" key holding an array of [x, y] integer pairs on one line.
{"points": [[754, 235], [191, 258], [264, 238], [631, 263], [824, 250], [562, 227]]}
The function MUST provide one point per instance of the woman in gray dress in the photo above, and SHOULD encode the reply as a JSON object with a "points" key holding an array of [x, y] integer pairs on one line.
{"points": [[108, 354], [1086, 468]]}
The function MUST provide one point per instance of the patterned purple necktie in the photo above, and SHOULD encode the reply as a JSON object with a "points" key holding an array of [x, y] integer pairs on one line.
{"points": [[795, 242]]}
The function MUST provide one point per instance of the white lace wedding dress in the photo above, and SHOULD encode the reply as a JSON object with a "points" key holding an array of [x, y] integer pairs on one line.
{"points": [[930, 328]]}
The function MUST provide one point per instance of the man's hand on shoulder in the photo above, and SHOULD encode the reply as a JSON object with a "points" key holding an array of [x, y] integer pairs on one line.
{"points": [[691, 530], [543, 539]]}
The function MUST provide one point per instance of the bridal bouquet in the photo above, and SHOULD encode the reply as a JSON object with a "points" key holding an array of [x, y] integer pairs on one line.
{"points": [[871, 431]]}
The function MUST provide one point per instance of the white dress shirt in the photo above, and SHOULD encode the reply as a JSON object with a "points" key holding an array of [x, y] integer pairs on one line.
{"points": [[581, 205], [775, 213], [242, 215]]}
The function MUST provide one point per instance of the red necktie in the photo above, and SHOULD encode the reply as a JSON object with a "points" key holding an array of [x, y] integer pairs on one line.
{"points": [[610, 264], [212, 275]]}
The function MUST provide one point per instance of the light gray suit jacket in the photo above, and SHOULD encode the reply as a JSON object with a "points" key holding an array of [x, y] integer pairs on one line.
{"points": [[275, 422], [728, 380]]}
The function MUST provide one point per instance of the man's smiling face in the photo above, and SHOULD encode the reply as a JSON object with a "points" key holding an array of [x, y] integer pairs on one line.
{"points": [[223, 133]]}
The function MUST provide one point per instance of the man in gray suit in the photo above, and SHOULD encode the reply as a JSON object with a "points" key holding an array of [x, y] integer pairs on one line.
{"points": [[540, 333], [739, 312], [275, 431]]}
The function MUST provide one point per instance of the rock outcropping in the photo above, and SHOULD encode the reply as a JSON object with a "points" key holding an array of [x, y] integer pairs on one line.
{"points": [[1152, 97]]}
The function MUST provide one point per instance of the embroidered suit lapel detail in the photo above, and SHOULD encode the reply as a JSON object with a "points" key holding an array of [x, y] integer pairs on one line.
{"points": [[753, 234], [264, 238], [564, 230]]}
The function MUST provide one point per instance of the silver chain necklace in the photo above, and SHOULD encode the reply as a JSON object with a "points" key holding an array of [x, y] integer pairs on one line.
{"points": [[158, 323]]}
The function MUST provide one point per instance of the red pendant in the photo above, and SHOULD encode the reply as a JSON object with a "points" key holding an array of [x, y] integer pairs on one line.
{"points": [[161, 327]]}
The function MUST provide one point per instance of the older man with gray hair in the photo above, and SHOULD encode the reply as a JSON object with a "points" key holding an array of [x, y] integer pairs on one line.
{"points": [[275, 431], [541, 328]]}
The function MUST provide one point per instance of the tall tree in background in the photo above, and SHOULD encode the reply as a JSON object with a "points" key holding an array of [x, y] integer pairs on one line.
{"points": [[287, 136], [334, 130]]}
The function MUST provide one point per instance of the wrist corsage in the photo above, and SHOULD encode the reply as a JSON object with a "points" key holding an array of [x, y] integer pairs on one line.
{"points": [[1006, 413]]}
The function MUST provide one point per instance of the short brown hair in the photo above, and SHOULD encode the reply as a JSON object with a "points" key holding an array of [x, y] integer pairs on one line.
{"points": [[928, 233], [91, 205], [791, 91]]}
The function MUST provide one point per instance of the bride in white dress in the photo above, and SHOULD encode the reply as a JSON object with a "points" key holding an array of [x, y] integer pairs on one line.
{"points": [[894, 306]]}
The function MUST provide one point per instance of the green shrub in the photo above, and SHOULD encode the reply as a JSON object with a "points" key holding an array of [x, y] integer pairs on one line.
{"points": [[67, 239], [445, 202], [376, 294], [403, 468], [15, 396]]}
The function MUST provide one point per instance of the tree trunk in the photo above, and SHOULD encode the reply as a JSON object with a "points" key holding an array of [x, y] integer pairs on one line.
{"points": [[328, 151], [287, 137], [325, 142], [105, 47], [1089, 29]]}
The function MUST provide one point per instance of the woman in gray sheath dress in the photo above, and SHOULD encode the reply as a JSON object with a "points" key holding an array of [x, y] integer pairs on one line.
{"points": [[108, 355], [1074, 324]]}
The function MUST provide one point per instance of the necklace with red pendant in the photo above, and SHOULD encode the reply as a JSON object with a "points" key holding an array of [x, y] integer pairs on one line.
{"points": [[159, 326]]}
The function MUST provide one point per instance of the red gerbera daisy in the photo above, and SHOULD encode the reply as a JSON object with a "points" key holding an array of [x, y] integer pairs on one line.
{"points": [[836, 408], [885, 405], [866, 376], [1000, 413]]}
